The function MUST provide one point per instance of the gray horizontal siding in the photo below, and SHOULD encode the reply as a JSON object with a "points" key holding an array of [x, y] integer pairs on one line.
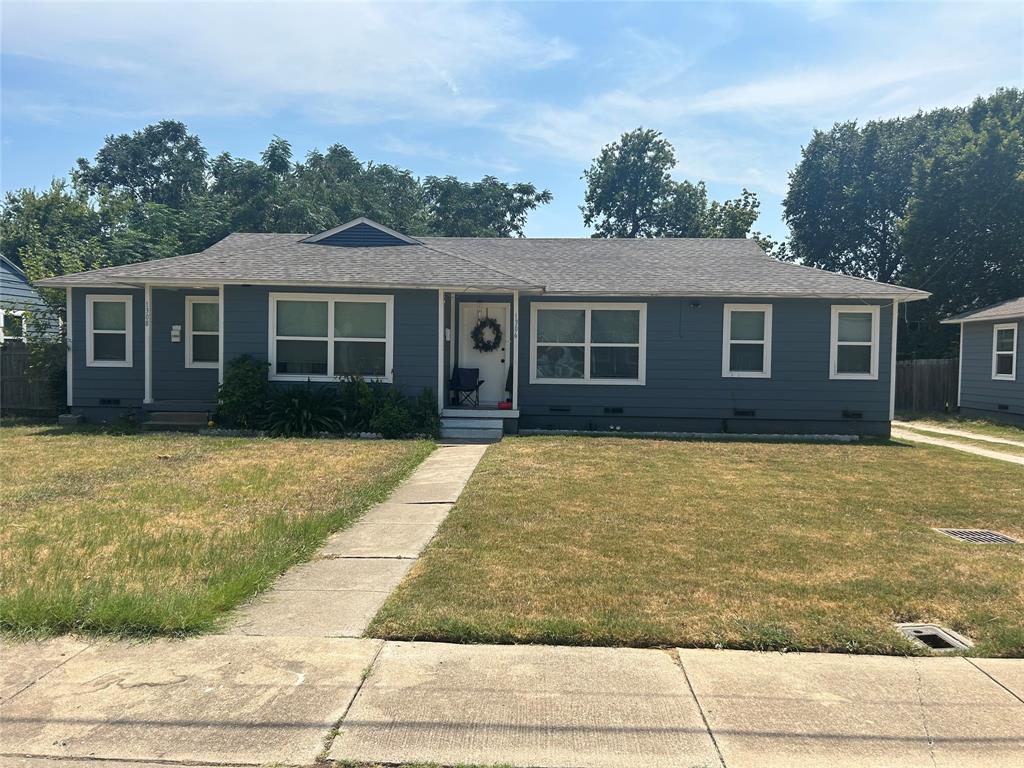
{"points": [[90, 385], [247, 320], [684, 368], [978, 390], [171, 379]]}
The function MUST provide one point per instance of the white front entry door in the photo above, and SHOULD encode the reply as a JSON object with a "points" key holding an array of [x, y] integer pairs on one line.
{"points": [[493, 365]]}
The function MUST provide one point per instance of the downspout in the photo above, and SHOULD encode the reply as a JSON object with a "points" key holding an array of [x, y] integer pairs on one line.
{"points": [[70, 355], [147, 397]]}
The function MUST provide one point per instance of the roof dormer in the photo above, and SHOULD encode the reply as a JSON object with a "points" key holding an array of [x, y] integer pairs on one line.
{"points": [[361, 233]]}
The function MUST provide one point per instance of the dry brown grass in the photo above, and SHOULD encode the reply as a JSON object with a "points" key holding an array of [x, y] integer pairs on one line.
{"points": [[748, 545], [163, 532]]}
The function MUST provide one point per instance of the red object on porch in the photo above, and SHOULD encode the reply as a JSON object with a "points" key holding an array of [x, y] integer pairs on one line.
{"points": [[505, 405]]}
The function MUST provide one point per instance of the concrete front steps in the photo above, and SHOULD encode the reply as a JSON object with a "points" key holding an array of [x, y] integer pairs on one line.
{"points": [[471, 427]]}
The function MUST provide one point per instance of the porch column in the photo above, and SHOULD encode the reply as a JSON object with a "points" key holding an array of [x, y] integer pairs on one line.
{"points": [[440, 350], [515, 350], [892, 364], [220, 334], [68, 337], [148, 375]]}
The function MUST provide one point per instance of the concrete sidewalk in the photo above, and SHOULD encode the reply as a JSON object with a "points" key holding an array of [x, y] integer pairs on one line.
{"points": [[339, 592], [916, 437], [236, 700], [959, 433]]}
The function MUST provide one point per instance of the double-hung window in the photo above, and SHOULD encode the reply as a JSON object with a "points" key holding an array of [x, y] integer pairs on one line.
{"points": [[1004, 351], [12, 325], [854, 347], [108, 331], [600, 343], [325, 337], [747, 341], [202, 332]]}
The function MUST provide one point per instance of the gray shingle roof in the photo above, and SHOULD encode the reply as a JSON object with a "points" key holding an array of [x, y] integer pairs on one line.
{"points": [[1004, 310], [725, 267]]}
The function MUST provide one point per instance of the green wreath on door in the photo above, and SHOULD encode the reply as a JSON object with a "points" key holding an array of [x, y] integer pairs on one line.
{"points": [[481, 342]]}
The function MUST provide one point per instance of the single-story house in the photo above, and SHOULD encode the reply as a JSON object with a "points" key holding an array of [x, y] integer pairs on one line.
{"points": [[632, 335], [18, 302], [991, 383]]}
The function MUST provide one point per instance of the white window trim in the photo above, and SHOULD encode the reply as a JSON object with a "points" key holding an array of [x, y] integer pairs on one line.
{"points": [[189, 333], [90, 300], [727, 341], [586, 344], [833, 357], [330, 298], [1012, 376], [4, 314]]}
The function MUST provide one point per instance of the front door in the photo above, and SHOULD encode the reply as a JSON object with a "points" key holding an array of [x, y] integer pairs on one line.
{"points": [[493, 364]]}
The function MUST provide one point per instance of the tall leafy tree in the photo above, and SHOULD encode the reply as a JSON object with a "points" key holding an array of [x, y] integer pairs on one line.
{"points": [[162, 163], [631, 193], [485, 208], [962, 236]]}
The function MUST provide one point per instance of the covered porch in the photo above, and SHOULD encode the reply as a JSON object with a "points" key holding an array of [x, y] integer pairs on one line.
{"points": [[479, 332]]}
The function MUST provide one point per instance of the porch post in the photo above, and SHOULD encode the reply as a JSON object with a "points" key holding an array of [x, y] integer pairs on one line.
{"points": [[68, 340], [220, 334], [515, 350], [440, 349], [148, 374]]}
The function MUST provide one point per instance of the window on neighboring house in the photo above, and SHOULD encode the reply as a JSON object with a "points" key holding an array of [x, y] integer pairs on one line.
{"points": [[747, 341], [323, 337], [600, 343], [108, 338], [12, 325], [202, 332], [1004, 351], [854, 350]]}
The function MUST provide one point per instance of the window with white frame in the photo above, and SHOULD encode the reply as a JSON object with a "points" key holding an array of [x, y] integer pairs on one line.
{"points": [[12, 325], [1004, 351], [108, 331], [854, 347], [747, 341], [600, 343], [202, 332], [324, 337]]}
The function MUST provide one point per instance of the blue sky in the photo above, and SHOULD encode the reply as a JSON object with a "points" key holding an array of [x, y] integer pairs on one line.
{"points": [[526, 91]]}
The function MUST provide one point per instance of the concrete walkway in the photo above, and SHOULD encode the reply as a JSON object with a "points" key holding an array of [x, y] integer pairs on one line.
{"points": [[916, 437], [959, 433], [339, 592], [247, 701]]}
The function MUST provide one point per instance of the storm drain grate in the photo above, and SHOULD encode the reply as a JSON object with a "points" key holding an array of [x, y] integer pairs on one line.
{"points": [[934, 637], [977, 535]]}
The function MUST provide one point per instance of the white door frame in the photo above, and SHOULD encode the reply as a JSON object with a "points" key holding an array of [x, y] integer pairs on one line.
{"points": [[465, 341]]}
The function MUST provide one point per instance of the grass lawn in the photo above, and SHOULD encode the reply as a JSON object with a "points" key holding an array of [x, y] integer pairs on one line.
{"points": [[1013, 450], [980, 426], [745, 545], [161, 533]]}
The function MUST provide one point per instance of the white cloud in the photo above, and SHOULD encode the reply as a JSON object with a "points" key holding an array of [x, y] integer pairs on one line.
{"points": [[345, 62]]}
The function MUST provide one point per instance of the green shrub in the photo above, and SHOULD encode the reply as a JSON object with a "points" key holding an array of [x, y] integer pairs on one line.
{"points": [[242, 398], [392, 421], [426, 420], [303, 412]]}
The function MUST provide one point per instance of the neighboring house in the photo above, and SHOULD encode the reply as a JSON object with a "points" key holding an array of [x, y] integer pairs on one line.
{"points": [[18, 301], [991, 381], [650, 335]]}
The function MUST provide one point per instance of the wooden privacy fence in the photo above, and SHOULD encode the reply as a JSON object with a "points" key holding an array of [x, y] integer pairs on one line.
{"points": [[927, 385], [19, 392]]}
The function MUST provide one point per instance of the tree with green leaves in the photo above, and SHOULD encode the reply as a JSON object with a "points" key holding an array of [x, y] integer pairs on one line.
{"points": [[162, 163], [631, 193], [485, 208]]}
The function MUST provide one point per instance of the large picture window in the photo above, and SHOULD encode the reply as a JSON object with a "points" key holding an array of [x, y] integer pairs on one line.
{"points": [[1004, 351], [202, 332], [599, 343], [108, 331], [324, 337], [854, 347], [747, 341]]}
